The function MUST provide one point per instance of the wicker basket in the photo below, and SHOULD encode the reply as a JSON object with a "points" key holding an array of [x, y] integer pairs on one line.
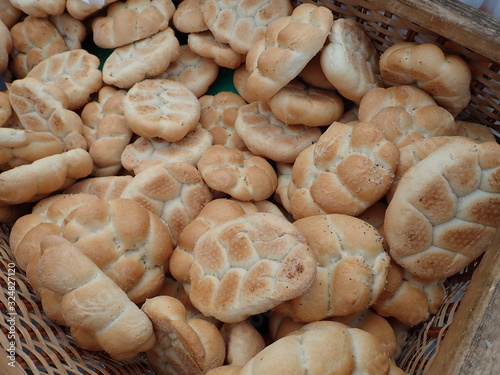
{"points": [[41, 347]]}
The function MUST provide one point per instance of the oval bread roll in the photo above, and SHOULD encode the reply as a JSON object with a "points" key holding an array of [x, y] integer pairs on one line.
{"points": [[445, 209], [249, 265]]}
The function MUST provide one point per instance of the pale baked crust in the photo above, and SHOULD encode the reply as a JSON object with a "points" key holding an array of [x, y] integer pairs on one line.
{"points": [[188, 17]]}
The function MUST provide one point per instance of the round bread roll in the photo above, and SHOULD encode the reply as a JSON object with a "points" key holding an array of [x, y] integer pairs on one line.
{"points": [[92, 305], [196, 72], [241, 23], [267, 136], [188, 17], [280, 195], [218, 115], [444, 212], [106, 131], [249, 265], [76, 72], [240, 77], [9, 14], [5, 108], [351, 268], [296, 103], [320, 348], [293, 41], [161, 108], [405, 114], [350, 61], [34, 39], [445, 77], [475, 131], [81, 9], [205, 44], [240, 174], [175, 192], [409, 299], [145, 152], [5, 47], [184, 345], [242, 340], [137, 61], [350, 168], [214, 212], [40, 9], [128, 21]]}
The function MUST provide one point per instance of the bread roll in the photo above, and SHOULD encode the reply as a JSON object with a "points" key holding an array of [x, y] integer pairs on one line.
{"points": [[249, 265], [40, 9], [188, 17], [240, 174], [242, 340], [107, 187], [444, 212], [446, 77], [72, 30], [351, 267], [350, 168], [5, 47], [91, 303], [205, 44], [9, 14]]}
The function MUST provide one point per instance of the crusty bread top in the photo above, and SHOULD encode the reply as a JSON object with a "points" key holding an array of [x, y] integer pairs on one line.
{"points": [[248, 265], [445, 212]]}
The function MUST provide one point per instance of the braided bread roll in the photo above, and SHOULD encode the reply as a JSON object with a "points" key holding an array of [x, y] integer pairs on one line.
{"points": [[249, 265], [98, 312]]}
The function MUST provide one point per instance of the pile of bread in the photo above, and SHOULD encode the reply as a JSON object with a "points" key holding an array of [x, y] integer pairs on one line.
{"points": [[300, 223]]}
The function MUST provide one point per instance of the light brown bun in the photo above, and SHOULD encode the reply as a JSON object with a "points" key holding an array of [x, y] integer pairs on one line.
{"points": [[188, 17], [444, 212], [218, 114], [72, 30], [243, 341], [351, 268], [205, 44], [91, 302], [296, 103], [34, 40], [106, 131], [225, 370], [184, 345], [42, 107], [241, 24], [146, 152], [107, 187], [196, 72], [350, 60], [322, 348], [20, 147], [5, 47], [76, 72], [405, 114], [9, 14], [40, 9], [267, 136], [408, 298], [140, 60], [130, 21], [81, 9], [175, 192], [161, 108], [29, 182], [215, 212], [249, 265], [293, 40], [350, 168], [240, 174], [240, 77], [280, 195], [5, 108], [443, 76], [313, 75], [475, 131]]}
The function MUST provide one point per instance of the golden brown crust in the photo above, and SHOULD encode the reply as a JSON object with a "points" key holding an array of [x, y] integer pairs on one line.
{"points": [[240, 174], [444, 76], [445, 209], [346, 171], [248, 265], [91, 302], [188, 17]]}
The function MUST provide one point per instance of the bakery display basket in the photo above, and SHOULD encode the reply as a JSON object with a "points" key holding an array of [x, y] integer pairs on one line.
{"points": [[462, 338]]}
